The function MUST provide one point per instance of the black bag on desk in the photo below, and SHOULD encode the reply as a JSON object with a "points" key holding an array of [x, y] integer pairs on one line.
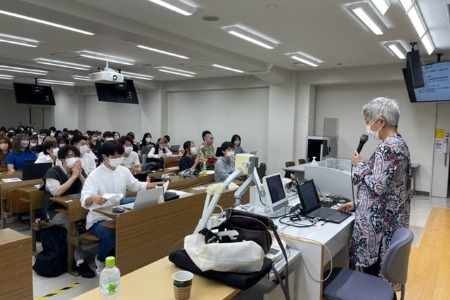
{"points": [[52, 260]]}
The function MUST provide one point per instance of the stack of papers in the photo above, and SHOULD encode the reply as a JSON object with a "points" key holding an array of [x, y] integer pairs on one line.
{"points": [[14, 179]]}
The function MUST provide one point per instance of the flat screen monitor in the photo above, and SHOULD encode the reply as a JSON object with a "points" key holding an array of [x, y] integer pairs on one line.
{"points": [[123, 92], [33, 94], [274, 189], [436, 87]]}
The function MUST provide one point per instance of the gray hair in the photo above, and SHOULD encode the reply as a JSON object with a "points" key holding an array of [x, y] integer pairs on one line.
{"points": [[382, 107]]}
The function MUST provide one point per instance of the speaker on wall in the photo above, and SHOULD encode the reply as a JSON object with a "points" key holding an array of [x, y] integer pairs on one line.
{"points": [[414, 68]]}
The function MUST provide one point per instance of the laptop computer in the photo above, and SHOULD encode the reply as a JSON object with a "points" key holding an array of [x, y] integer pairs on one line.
{"points": [[312, 208], [35, 171], [167, 196], [145, 198]]}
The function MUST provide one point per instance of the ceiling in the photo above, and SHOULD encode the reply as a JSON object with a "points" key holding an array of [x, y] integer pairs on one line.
{"points": [[322, 28]]}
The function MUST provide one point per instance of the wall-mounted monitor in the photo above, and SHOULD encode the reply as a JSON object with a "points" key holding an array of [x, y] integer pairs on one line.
{"points": [[33, 94], [436, 87], [123, 92], [274, 190]]}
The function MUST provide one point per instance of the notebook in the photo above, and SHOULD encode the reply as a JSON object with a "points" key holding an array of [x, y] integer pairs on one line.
{"points": [[145, 198], [312, 208]]}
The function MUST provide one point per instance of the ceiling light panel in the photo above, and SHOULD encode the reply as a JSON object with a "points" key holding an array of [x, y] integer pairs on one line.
{"points": [[7, 77], [40, 21], [178, 6], [227, 68], [17, 40], [23, 70], [176, 71], [305, 58], [57, 82], [381, 5], [428, 43], [63, 64], [162, 52], [137, 75], [106, 57], [251, 36], [398, 48], [416, 20], [406, 4], [368, 16], [83, 78]]}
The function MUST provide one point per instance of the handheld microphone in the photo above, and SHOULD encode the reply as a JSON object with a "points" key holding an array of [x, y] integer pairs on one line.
{"points": [[362, 140]]}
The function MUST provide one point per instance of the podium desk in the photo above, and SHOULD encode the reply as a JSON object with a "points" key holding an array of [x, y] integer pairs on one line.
{"points": [[154, 282], [313, 243]]}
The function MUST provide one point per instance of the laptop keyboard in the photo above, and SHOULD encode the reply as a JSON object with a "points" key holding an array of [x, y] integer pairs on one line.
{"points": [[325, 213]]}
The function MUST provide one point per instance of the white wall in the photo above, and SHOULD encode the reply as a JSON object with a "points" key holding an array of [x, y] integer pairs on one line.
{"points": [[12, 114]]}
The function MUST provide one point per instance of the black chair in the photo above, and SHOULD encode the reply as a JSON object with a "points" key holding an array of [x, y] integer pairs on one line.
{"points": [[354, 285]]}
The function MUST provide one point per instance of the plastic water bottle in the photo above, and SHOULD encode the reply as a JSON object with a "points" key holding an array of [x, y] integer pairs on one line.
{"points": [[110, 280], [204, 173]]}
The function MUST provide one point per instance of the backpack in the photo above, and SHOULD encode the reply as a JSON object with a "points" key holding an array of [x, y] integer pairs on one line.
{"points": [[52, 260]]}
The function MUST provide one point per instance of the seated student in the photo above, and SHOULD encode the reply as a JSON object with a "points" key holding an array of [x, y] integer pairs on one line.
{"points": [[225, 164], [160, 150], [49, 153], [20, 153], [109, 177], [34, 146], [205, 152], [187, 161], [236, 140], [5, 147], [87, 158], [130, 158], [65, 179]]}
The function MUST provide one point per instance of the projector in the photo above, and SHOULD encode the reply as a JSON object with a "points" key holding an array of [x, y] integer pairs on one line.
{"points": [[107, 75]]}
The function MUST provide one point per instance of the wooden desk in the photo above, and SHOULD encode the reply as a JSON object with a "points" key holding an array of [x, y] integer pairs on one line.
{"points": [[177, 183], [16, 278], [172, 161], [5, 187], [146, 235], [154, 281], [13, 174]]}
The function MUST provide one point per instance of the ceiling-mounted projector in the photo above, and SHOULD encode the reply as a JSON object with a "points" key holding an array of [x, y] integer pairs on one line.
{"points": [[107, 76]]}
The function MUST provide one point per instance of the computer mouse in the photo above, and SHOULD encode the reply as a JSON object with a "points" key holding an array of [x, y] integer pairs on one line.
{"points": [[118, 210]]}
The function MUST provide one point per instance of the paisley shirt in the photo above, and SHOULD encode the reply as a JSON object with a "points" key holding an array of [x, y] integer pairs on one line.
{"points": [[383, 201]]}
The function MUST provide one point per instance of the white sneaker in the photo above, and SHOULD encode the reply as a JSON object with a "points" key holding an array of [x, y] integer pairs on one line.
{"points": [[99, 266]]}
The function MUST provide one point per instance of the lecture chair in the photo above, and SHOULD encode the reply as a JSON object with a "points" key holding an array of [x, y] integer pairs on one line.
{"points": [[301, 161], [354, 285]]}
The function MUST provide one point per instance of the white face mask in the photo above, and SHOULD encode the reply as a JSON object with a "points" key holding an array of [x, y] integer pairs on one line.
{"points": [[52, 134], [230, 154], [193, 150], [128, 150], [70, 136], [115, 162], [374, 134], [24, 144], [71, 161], [55, 151], [109, 139], [33, 144], [61, 145], [148, 140], [84, 149]]}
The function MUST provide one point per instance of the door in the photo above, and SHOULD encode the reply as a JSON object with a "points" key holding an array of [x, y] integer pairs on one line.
{"points": [[440, 178]]}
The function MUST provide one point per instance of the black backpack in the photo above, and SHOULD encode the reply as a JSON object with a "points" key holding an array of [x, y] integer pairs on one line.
{"points": [[52, 260]]}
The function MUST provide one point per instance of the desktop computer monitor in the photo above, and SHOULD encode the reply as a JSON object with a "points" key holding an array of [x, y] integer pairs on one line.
{"points": [[275, 195]]}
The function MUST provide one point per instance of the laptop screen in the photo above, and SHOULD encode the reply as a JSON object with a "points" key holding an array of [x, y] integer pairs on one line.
{"points": [[307, 194]]}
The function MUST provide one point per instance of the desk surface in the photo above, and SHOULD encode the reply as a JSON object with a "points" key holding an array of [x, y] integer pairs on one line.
{"points": [[154, 281]]}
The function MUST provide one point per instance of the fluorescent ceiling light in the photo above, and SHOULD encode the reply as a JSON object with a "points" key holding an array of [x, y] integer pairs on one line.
{"points": [[251, 36], [406, 4], [398, 48], [381, 5], [63, 64], [78, 77], [416, 20], [180, 7], [305, 58], [9, 77], [176, 71], [4, 12], [23, 70], [137, 75], [370, 18], [58, 82], [162, 52], [106, 57], [428, 43], [228, 68], [17, 40]]}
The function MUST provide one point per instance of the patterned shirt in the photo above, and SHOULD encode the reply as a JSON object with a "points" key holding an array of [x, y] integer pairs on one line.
{"points": [[383, 201]]}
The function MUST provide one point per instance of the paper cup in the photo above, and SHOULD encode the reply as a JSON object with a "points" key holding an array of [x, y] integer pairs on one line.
{"points": [[182, 283]]}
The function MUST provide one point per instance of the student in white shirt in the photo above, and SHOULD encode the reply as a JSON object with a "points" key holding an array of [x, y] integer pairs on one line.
{"points": [[49, 153], [109, 177], [87, 158], [130, 157], [160, 150]]}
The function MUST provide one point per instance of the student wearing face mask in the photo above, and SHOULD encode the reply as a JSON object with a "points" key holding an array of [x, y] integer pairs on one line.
{"points": [[109, 177], [130, 157], [87, 158], [5, 147], [20, 153], [236, 140], [225, 164], [64, 179], [383, 200], [34, 144], [49, 153], [187, 161]]}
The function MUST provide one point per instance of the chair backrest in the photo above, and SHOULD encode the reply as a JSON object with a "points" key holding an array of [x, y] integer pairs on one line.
{"points": [[395, 263], [289, 164], [301, 161]]}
